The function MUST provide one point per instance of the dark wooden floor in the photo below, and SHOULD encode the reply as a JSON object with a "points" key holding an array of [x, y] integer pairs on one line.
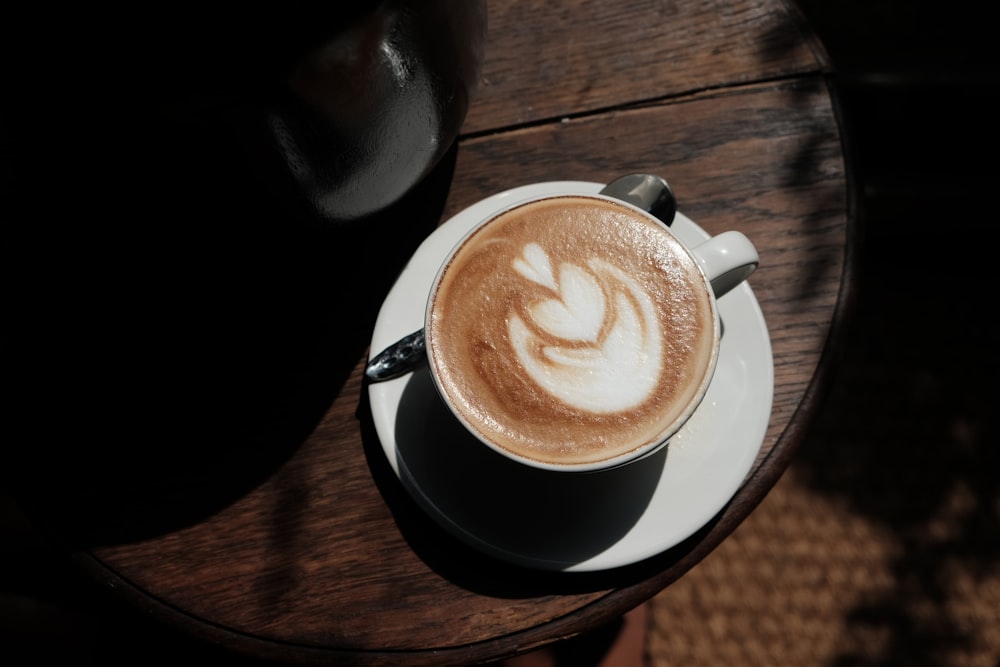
{"points": [[920, 90]]}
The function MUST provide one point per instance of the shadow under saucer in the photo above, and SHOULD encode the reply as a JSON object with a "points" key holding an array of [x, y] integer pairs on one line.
{"points": [[521, 514]]}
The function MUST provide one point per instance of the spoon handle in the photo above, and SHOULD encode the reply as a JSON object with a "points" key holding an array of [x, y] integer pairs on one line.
{"points": [[397, 359]]}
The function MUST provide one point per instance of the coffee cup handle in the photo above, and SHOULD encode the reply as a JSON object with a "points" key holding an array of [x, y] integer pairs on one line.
{"points": [[727, 260]]}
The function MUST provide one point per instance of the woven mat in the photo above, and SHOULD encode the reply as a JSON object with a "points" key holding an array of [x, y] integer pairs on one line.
{"points": [[807, 580]]}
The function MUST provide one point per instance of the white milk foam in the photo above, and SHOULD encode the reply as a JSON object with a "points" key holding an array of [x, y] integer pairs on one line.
{"points": [[609, 375], [571, 330]]}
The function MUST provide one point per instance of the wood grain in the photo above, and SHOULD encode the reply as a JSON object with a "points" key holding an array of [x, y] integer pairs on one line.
{"points": [[327, 556], [545, 60]]}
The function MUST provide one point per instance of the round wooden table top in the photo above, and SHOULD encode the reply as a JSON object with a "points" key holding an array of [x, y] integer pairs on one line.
{"points": [[319, 553]]}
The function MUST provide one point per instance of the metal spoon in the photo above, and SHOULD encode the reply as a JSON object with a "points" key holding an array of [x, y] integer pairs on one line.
{"points": [[646, 191]]}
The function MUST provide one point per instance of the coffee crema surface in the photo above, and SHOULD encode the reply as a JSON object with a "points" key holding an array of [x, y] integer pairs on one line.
{"points": [[571, 330]]}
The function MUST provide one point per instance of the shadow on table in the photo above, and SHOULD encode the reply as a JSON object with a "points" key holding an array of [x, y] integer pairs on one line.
{"points": [[174, 377]]}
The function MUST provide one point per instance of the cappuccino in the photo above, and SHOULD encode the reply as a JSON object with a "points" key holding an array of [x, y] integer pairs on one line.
{"points": [[571, 330]]}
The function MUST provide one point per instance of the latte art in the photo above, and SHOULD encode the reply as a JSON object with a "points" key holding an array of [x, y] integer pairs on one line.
{"points": [[597, 344], [571, 330]]}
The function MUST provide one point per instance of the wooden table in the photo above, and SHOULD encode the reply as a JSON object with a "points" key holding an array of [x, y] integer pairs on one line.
{"points": [[321, 555]]}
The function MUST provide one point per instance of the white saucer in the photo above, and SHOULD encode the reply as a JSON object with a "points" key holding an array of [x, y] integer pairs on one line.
{"points": [[570, 521]]}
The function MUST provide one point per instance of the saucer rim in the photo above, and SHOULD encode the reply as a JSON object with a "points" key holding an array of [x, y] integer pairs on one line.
{"points": [[383, 335]]}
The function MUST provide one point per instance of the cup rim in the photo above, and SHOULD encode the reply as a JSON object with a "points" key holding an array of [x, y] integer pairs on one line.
{"points": [[622, 458]]}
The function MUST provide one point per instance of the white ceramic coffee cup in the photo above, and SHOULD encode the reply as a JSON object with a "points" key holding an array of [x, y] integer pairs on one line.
{"points": [[517, 414]]}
